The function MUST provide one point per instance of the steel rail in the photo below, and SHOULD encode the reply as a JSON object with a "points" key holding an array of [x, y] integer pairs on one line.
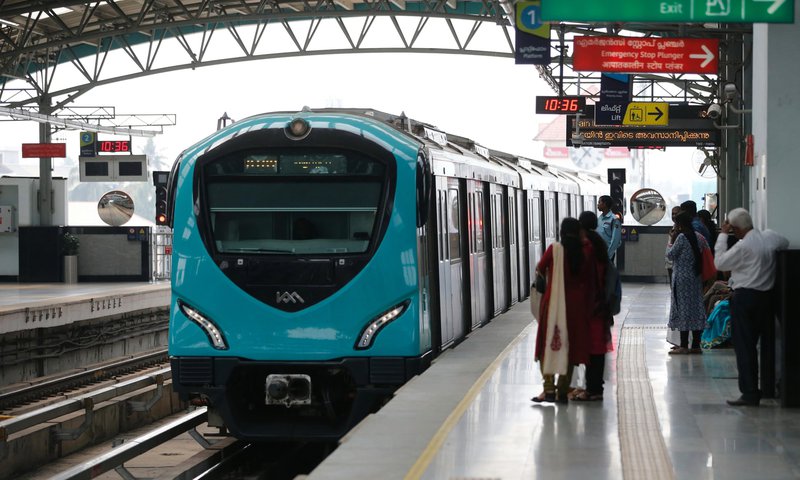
{"points": [[134, 448], [40, 389], [83, 402]]}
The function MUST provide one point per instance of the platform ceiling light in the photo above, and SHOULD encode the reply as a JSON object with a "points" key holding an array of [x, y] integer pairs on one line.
{"points": [[371, 331], [214, 334], [298, 129]]}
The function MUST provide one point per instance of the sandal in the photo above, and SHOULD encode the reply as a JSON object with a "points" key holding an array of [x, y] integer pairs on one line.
{"points": [[544, 397], [575, 392], [679, 351], [587, 397]]}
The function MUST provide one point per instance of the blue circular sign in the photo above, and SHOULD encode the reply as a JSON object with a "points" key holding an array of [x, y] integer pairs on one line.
{"points": [[86, 137], [530, 17]]}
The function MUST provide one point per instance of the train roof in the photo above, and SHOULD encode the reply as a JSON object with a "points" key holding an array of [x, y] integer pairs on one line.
{"points": [[465, 158]]}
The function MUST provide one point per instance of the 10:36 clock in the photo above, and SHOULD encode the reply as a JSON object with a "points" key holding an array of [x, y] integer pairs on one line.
{"points": [[113, 146], [560, 105]]}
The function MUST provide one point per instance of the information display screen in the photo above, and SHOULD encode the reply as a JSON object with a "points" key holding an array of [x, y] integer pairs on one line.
{"points": [[560, 105], [113, 146]]}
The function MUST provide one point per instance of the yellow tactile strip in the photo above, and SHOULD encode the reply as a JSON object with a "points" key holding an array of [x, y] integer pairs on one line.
{"points": [[644, 453]]}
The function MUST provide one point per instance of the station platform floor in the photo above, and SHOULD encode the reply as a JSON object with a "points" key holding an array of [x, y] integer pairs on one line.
{"points": [[27, 306], [663, 416]]}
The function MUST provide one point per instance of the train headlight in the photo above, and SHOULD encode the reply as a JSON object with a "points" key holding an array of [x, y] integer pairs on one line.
{"points": [[376, 324], [298, 129], [214, 335]]}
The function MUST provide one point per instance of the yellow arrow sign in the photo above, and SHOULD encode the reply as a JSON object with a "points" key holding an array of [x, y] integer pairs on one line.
{"points": [[646, 113]]}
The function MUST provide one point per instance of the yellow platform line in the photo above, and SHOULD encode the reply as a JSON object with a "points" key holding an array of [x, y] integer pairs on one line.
{"points": [[438, 439]]}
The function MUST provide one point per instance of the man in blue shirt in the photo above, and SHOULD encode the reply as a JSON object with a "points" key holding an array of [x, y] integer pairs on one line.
{"points": [[608, 226]]}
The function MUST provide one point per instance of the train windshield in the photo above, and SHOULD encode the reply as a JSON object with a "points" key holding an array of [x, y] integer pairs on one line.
{"points": [[294, 202]]}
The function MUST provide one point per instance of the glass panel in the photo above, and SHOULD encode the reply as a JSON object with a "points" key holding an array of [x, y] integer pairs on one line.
{"points": [[310, 202], [454, 235], [479, 223]]}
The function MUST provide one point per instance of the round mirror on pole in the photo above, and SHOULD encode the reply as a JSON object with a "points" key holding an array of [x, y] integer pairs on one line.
{"points": [[648, 206], [115, 208]]}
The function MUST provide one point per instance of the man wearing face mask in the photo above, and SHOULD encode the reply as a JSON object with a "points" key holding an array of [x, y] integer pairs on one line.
{"points": [[751, 262]]}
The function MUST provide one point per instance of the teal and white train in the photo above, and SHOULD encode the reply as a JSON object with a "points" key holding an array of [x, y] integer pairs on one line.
{"points": [[323, 258]]}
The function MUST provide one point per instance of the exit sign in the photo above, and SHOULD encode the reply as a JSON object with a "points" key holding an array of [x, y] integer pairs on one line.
{"points": [[670, 11]]}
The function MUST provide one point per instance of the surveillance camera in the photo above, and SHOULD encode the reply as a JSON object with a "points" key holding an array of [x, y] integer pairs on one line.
{"points": [[729, 91], [714, 111], [577, 139]]}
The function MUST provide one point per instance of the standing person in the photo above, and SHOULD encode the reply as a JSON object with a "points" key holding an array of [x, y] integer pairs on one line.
{"points": [[751, 262], [609, 227], [705, 218], [675, 212], [600, 320], [690, 207], [569, 268], [686, 312]]}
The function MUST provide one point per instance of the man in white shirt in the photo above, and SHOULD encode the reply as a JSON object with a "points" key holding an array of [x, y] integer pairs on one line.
{"points": [[751, 262]]}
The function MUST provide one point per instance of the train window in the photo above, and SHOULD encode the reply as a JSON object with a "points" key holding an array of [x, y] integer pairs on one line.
{"points": [[497, 206], [453, 231], [479, 247], [512, 220], [471, 211], [536, 224], [310, 202]]}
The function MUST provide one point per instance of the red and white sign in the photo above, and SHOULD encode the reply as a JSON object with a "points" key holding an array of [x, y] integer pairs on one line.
{"points": [[39, 150], [646, 55]]}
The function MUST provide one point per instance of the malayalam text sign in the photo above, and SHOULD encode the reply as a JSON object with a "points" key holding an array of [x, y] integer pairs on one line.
{"points": [[646, 55], [672, 11], [44, 150], [688, 128]]}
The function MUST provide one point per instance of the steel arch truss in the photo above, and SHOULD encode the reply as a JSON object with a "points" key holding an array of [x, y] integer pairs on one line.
{"points": [[53, 52]]}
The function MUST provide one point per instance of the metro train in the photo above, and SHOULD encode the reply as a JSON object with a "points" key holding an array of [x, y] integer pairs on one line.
{"points": [[322, 258]]}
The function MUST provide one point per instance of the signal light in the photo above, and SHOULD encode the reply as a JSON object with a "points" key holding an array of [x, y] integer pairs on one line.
{"points": [[616, 179], [161, 180]]}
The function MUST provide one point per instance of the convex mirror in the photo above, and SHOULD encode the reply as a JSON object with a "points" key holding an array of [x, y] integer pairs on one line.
{"points": [[648, 206], [115, 208]]}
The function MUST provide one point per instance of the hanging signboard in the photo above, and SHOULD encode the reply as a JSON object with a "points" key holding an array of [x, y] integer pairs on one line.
{"points": [[44, 150], [688, 127], [532, 44], [672, 11], [646, 55]]}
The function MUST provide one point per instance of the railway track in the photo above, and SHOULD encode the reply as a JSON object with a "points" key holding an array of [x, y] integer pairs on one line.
{"points": [[138, 417], [13, 398]]}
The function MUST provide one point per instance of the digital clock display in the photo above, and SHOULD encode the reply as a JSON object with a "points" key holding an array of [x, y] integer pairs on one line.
{"points": [[114, 146], [560, 105]]}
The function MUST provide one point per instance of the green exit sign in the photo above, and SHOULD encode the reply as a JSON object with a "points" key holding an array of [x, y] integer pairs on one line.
{"points": [[670, 11]]}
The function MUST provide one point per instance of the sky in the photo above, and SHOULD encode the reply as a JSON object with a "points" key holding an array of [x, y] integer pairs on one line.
{"points": [[488, 99]]}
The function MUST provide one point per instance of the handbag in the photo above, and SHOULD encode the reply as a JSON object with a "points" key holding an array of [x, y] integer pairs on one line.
{"points": [[540, 284], [536, 302], [709, 270]]}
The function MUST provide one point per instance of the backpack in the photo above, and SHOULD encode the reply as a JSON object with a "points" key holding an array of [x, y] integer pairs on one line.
{"points": [[613, 293]]}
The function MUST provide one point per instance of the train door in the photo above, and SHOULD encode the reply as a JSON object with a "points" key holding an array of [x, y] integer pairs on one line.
{"points": [[450, 262], [499, 278], [514, 257], [549, 218], [577, 205], [562, 208], [478, 262], [522, 247], [590, 203], [535, 232]]}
